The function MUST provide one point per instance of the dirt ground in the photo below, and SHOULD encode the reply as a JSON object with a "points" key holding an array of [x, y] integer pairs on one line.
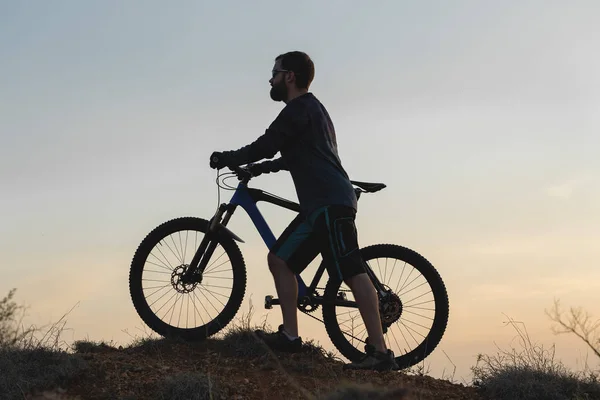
{"points": [[217, 369]]}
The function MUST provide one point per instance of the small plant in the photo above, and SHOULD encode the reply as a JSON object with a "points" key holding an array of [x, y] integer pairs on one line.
{"points": [[579, 324], [28, 370], [28, 362], [239, 339], [86, 346], [530, 373], [10, 331]]}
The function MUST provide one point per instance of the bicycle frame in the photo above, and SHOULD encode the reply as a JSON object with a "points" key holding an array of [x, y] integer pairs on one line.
{"points": [[247, 198]]}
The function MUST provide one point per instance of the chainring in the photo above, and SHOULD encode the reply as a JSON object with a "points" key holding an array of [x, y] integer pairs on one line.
{"points": [[306, 305]]}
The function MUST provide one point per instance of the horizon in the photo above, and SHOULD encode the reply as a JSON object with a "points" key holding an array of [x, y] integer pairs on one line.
{"points": [[482, 120]]}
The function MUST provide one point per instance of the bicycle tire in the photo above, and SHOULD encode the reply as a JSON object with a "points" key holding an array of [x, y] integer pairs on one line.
{"points": [[432, 277], [139, 300]]}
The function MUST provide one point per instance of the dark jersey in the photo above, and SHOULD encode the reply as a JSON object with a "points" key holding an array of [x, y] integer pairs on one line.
{"points": [[304, 135]]}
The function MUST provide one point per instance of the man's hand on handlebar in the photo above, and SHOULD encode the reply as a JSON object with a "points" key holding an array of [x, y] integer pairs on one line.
{"points": [[218, 159]]}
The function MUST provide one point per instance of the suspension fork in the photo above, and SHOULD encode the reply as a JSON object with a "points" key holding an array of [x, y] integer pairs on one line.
{"points": [[209, 242]]}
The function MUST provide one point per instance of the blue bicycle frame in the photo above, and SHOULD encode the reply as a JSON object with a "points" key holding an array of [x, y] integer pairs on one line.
{"points": [[247, 199]]}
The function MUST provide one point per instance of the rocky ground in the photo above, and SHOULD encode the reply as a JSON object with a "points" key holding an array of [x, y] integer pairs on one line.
{"points": [[234, 367]]}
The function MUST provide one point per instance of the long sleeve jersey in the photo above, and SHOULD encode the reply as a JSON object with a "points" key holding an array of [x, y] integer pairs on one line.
{"points": [[305, 136]]}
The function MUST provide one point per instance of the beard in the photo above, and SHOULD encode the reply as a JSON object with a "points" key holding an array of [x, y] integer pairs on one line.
{"points": [[279, 92]]}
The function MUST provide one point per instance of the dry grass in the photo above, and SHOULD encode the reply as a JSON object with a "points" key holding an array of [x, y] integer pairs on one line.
{"points": [[32, 359], [531, 372]]}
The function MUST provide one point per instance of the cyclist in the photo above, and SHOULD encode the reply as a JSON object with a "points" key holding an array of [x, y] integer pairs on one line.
{"points": [[305, 136]]}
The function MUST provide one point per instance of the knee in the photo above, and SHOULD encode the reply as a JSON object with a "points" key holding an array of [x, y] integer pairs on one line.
{"points": [[274, 262]]}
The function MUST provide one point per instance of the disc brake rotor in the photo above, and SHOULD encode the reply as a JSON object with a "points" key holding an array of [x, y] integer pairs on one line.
{"points": [[177, 282]]}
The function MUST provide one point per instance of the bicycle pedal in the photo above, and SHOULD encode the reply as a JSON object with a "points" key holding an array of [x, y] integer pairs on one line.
{"points": [[268, 302]]}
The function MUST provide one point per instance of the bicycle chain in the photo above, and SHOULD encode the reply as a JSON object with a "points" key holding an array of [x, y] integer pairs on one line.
{"points": [[323, 322]]}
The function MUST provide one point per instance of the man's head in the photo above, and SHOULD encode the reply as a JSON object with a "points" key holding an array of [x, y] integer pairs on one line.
{"points": [[292, 75]]}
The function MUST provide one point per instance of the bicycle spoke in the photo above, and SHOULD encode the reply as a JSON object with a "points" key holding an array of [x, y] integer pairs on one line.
{"points": [[404, 284], [395, 340], [187, 310], [160, 288], [172, 252], [416, 287], [215, 272], [400, 278], [180, 309], [174, 294], [221, 287], [185, 248], [161, 266], [419, 315], [217, 259], [201, 303], [412, 322], [173, 308], [385, 276], [211, 293], [225, 262], [159, 272], [169, 267], [182, 249], [175, 246], [163, 254], [193, 296], [418, 297]]}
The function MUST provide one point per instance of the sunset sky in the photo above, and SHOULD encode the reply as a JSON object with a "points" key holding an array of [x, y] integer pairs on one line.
{"points": [[482, 118]]}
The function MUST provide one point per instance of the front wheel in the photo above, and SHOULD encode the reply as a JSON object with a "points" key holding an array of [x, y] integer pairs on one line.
{"points": [[187, 310], [414, 314]]}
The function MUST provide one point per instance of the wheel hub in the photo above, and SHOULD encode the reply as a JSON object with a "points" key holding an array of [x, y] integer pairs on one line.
{"points": [[390, 309], [178, 282]]}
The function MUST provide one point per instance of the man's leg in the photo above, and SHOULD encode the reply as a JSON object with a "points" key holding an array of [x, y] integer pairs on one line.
{"points": [[293, 251], [287, 292], [344, 260], [368, 305]]}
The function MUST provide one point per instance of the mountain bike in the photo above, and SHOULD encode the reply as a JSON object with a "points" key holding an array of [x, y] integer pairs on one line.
{"points": [[414, 306]]}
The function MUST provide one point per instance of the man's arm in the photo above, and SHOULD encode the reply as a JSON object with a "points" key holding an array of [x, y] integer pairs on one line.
{"points": [[289, 123], [266, 167], [275, 165]]}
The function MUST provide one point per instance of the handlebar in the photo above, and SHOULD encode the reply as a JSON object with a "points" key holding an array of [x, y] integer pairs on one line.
{"points": [[242, 174]]}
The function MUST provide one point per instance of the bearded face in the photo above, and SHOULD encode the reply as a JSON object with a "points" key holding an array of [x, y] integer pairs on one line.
{"points": [[279, 90]]}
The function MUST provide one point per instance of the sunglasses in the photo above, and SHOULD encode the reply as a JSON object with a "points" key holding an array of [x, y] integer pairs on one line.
{"points": [[276, 71]]}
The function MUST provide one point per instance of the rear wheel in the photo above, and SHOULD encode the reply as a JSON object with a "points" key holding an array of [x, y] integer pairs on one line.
{"points": [[172, 308], [414, 314]]}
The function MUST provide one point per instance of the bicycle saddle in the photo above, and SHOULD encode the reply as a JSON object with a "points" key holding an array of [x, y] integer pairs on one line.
{"points": [[369, 187]]}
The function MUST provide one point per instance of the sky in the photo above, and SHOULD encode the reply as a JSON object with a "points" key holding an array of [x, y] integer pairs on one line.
{"points": [[482, 119]]}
